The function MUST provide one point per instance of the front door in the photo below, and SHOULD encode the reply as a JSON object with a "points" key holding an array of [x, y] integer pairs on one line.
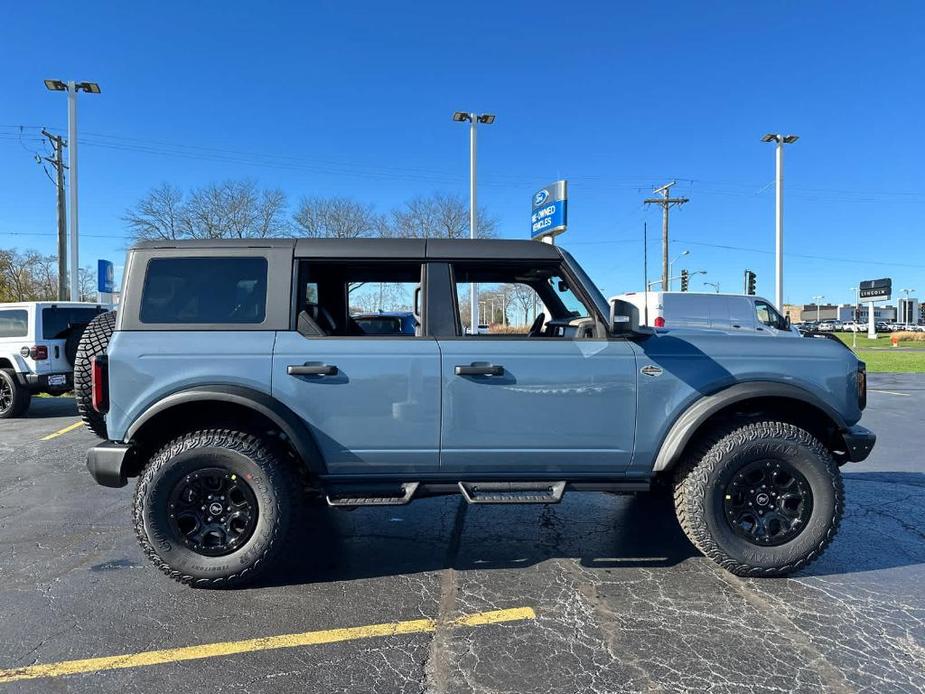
{"points": [[358, 371], [543, 392]]}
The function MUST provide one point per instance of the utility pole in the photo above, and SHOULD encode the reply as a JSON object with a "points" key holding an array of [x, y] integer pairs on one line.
{"points": [[58, 144], [666, 202]]}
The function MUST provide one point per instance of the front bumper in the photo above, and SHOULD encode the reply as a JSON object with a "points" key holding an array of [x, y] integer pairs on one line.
{"points": [[107, 463], [859, 442]]}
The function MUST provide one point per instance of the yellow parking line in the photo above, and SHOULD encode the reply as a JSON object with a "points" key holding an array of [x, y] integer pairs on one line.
{"points": [[61, 432], [212, 650]]}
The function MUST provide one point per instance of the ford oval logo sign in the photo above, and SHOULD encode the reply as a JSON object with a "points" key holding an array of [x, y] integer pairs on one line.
{"points": [[540, 197]]}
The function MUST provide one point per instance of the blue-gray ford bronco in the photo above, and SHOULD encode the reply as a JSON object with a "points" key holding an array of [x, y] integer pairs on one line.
{"points": [[236, 385]]}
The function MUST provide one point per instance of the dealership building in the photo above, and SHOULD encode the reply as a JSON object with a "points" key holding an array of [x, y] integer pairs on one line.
{"points": [[845, 312]]}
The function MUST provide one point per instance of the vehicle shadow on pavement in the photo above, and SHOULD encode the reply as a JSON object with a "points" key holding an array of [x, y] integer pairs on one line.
{"points": [[600, 531], [44, 408]]}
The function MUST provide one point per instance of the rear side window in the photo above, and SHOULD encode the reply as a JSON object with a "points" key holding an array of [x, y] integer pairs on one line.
{"points": [[58, 322], [205, 290], [14, 323]]}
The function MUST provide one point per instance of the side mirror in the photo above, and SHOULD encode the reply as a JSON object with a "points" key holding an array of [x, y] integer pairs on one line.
{"points": [[624, 317], [787, 322]]}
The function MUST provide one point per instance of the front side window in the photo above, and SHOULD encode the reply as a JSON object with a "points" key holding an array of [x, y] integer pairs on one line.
{"points": [[520, 300], [768, 316], [14, 323], [205, 290]]}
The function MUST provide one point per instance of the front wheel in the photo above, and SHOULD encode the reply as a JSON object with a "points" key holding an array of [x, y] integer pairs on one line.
{"points": [[760, 499], [213, 508]]}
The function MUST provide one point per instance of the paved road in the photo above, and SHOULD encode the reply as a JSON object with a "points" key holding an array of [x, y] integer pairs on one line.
{"points": [[598, 594]]}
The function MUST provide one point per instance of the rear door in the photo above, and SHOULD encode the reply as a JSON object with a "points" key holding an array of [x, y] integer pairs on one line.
{"points": [[372, 400]]}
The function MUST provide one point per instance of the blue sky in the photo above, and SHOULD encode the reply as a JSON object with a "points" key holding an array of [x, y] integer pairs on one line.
{"points": [[354, 98]]}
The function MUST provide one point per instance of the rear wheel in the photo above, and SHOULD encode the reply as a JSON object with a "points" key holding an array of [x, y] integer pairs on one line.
{"points": [[213, 507], [14, 398], [760, 499], [94, 341]]}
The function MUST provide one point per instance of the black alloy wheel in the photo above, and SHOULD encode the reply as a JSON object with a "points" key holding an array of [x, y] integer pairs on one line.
{"points": [[6, 395], [213, 511], [768, 503]]}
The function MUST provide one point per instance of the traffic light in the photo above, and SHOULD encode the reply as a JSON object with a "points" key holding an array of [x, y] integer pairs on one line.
{"points": [[685, 280], [750, 278]]}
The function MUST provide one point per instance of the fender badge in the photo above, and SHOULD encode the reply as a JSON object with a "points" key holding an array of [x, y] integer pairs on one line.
{"points": [[651, 370]]}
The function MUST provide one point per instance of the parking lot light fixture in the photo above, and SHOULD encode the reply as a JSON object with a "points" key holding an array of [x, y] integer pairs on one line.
{"points": [[473, 119], [818, 299], [780, 141], [72, 88]]}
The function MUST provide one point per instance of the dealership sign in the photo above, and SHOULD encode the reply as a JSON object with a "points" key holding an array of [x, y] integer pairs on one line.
{"points": [[875, 290], [105, 277], [550, 210]]}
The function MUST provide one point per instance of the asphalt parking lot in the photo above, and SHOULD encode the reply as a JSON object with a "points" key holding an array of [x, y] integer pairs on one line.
{"points": [[598, 594]]}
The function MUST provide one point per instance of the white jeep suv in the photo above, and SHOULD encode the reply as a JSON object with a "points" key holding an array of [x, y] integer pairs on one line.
{"points": [[38, 343]]}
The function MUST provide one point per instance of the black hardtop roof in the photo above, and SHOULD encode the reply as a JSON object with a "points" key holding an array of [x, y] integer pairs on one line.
{"points": [[444, 249]]}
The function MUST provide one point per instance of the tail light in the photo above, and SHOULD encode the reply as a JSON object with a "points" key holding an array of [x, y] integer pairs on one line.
{"points": [[99, 383], [862, 385], [660, 322], [39, 352]]}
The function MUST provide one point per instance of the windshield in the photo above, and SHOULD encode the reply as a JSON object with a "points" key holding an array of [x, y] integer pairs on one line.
{"points": [[593, 292]]}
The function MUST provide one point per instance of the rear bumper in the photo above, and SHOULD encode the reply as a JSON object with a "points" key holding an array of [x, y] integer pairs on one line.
{"points": [[859, 442], [38, 383], [107, 462]]}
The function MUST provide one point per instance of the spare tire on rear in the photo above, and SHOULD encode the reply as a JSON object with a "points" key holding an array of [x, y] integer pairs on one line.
{"points": [[94, 341]]}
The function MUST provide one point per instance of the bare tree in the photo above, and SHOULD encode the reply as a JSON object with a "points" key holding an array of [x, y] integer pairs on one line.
{"points": [[234, 209], [522, 297], [159, 215], [439, 215], [86, 284], [27, 276], [335, 217]]}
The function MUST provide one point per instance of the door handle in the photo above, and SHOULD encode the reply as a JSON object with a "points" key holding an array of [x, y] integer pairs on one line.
{"points": [[479, 370], [311, 370]]}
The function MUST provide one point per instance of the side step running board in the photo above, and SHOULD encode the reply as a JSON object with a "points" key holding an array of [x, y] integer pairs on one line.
{"points": [[408, 490], [512, 492]]}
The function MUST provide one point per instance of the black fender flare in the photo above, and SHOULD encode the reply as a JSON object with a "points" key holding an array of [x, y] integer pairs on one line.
{"points": [[294, 428], [690, 421]]}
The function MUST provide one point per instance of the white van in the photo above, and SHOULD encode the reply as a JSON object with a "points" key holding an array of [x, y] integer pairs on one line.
{"points": [[734, 313]]}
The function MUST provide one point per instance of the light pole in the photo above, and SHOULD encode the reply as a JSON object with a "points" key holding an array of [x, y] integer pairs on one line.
{"points": [[817, 299], [72, 88], [671, 266], [857, 316], [780, 140], [474, 119], [690, 274], [715, 285], [907, 292]]}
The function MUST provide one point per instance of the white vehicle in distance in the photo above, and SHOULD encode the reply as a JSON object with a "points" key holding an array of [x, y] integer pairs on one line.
{"points": [[733, 313], [38, 344], [854, 327]]}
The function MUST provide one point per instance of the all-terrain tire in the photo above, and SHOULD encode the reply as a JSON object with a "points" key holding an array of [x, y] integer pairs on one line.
{"points": [[701, 484], [273, 481], [94, 341], [14, 399]]}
